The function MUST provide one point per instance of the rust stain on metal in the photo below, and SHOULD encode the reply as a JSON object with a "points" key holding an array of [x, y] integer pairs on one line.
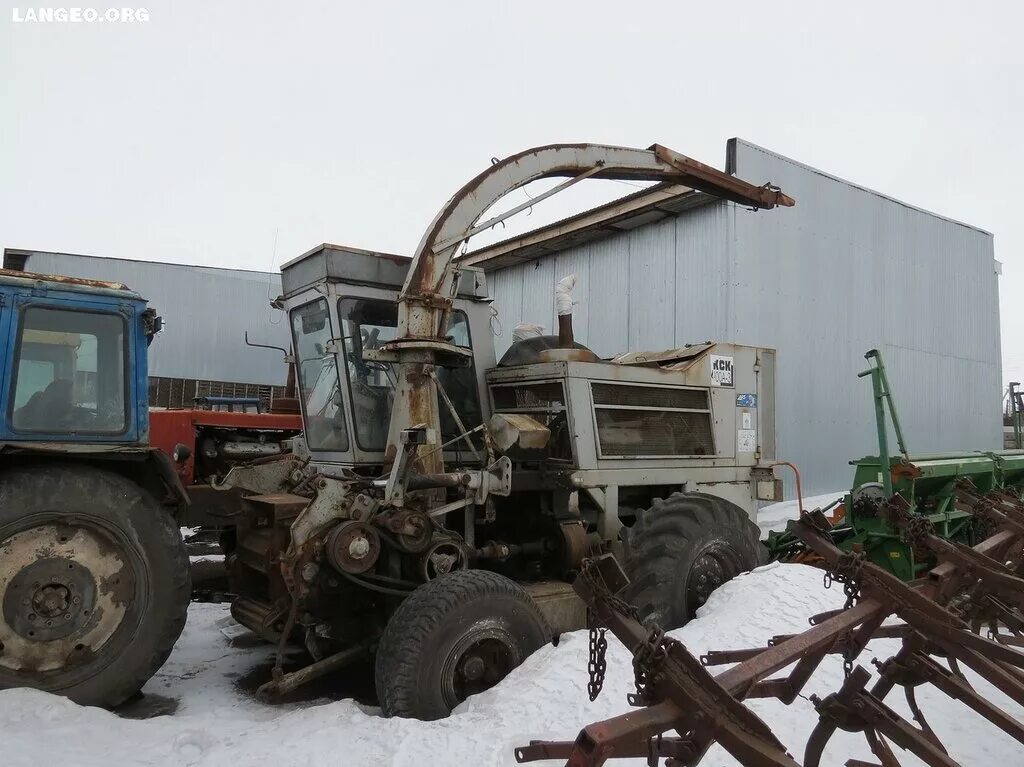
{"points": [[59, 278]]}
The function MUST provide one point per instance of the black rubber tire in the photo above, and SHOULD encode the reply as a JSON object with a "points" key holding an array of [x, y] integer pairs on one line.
{"points": [[146, 534], [670, 538], [425, 633]]}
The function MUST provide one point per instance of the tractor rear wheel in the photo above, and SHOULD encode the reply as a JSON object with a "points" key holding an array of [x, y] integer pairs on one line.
{"points": [[94, 583], [683, 548], [453, 637]]}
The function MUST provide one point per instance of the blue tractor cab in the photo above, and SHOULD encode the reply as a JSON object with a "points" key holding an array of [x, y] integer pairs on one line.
{"points": [[94, 580]]}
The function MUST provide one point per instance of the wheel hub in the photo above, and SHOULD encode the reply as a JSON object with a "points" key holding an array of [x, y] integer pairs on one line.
{"points": [[49, 599], [64, 590], [52, 601], [479, 661], [473, 667]]}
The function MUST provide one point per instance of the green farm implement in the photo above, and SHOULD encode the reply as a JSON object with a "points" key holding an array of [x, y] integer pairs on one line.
{"points": [[938, 492]]}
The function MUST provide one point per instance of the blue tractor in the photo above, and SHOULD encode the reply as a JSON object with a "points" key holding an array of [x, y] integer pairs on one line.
{"points": [[94, 577]]}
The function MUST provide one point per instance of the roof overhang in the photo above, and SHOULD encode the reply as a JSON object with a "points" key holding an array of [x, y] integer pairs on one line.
{"points": [[645, 207]]}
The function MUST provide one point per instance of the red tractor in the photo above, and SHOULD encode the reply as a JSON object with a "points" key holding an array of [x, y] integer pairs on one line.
{"points": [[205, 442]]}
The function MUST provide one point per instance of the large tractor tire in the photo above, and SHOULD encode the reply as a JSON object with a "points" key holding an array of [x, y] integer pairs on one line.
{"points": [[683, 548], [94, 583], [453, 637]]}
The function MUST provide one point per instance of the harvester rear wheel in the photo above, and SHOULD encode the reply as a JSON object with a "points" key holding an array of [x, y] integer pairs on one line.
{"points": [[683, 548], [453, 637], [94, 583]]}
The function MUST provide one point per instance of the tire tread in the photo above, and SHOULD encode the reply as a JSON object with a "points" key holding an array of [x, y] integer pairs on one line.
{"points": [[417, 618], [663, 535]]}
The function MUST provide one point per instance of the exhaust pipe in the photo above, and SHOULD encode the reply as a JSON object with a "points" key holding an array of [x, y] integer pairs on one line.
{"points": [[563, 307]]}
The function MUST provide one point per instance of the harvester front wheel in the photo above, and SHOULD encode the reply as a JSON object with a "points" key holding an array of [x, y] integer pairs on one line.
{"points": [[683, 548], [94, 583], [453, 637]]}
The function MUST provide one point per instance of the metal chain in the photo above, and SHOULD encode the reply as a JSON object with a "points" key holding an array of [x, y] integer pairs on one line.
{"points": [[918, 528], [648, 661], [986, 522], [596, 665], [848, 571], [847, 661]]}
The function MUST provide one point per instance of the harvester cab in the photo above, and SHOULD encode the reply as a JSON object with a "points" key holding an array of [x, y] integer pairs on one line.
{"points": [[94, 579], [343, 308], [443, 503]]}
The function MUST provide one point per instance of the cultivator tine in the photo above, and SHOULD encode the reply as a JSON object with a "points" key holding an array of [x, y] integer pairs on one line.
{"points": [[922, 722], [957, 689], [881, 749]]}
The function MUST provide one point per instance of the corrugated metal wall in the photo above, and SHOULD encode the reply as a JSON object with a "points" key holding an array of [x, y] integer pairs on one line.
{"points": [[206, 313], [647, 288], [844, 271]]}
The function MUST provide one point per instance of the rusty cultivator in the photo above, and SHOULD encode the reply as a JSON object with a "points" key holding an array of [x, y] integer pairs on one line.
{"points": [[967, 611]]}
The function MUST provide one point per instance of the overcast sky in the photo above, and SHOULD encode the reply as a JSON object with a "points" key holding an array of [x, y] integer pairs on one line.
{"points": [[243, 133]]}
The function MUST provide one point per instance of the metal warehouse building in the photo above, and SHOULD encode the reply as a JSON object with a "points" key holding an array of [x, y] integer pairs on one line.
{"points": [[206, 312], [846, 270]]}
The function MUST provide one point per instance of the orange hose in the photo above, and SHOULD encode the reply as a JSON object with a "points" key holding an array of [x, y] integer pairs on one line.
{"points": [[799, 491]]}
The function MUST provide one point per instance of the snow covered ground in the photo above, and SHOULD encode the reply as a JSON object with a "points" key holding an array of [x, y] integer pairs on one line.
{"points": [[773, 518], [216, 722]]}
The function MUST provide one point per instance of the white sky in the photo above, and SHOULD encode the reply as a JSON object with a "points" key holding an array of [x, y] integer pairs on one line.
{"points": [[220, 127]]}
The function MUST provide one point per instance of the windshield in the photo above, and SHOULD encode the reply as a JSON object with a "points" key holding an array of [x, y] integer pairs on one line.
{"points": [[367, 324], [318, 378], [70, 373]]}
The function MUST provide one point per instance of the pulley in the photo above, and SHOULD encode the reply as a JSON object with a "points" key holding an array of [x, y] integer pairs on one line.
{"points": [[352, 547]]}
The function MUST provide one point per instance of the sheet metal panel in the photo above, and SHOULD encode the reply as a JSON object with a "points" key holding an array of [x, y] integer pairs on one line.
{"points": [[651, 280], [849, 269], [206, 313], [629, 291], [703, 267], [539, 293], [608, 327], [508, 303]]}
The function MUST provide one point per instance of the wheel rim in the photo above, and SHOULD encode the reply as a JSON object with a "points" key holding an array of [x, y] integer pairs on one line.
{"points": [[480, 659], [66, 588], [714, 564]]}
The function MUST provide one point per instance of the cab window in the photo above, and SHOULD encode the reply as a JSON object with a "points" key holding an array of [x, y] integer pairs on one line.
{"points": [[69, 372], [318, 378], [367, 324]]}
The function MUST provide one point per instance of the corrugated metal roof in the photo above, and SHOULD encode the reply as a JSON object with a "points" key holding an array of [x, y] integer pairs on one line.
{"points": [[638, 209]]}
